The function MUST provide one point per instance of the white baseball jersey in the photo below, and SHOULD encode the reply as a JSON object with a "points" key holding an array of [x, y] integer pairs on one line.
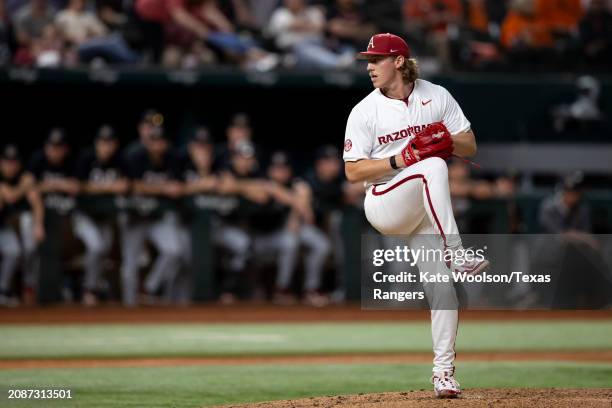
{"points": [[416, 200], [379, 127]]}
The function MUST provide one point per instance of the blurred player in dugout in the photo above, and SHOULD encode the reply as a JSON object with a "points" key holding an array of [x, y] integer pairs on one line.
{"points": [[104, 185], [21, 224], [53, 170], [329, 191], [152, 216], [206, 190], [298, 229]]}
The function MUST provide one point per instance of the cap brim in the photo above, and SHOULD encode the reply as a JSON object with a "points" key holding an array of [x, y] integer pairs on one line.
{"points": [[366, 54]]}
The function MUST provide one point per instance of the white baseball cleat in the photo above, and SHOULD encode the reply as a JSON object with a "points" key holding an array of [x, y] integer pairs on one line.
{"points": [[472, 267], [469, 266], [445, 385]]}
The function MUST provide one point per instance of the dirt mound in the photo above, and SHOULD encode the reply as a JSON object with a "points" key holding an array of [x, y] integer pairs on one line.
{"points": [[496, 397]]}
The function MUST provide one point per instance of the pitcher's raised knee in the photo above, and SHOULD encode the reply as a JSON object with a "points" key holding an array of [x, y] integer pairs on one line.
{"points": [[436, 163]]}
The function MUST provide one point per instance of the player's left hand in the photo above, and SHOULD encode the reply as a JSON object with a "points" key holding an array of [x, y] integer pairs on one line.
{"points": [[433, 141]]}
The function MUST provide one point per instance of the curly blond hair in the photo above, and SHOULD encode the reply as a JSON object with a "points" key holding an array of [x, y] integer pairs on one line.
{"points": [[410, 70]]}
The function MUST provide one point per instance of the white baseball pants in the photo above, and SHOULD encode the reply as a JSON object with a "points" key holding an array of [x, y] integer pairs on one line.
{"points": [[417, 202]]}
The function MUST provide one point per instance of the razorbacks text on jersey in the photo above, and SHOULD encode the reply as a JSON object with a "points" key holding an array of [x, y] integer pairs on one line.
{"points": [[379, 127]]}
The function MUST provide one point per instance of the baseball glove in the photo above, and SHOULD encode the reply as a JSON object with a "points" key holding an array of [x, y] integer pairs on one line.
{"points": [[433, 141]]}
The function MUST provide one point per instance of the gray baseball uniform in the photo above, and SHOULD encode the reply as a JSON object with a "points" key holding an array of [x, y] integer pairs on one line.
{"points": [[151, 217], [96, 212], [16, 216]]}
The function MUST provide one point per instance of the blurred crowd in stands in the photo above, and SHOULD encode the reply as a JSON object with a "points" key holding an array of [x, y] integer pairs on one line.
{"points": [[322, 34], [132, 207]]}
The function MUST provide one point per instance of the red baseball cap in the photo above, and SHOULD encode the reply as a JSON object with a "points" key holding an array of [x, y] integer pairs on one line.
{"points": [[387, 44]]}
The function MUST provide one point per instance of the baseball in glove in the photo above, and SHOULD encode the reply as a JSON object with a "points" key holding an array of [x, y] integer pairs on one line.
{"points": [[433, 141]]}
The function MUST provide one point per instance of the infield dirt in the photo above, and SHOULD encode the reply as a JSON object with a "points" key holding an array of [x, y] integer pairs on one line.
{"points": [[489, 397]]}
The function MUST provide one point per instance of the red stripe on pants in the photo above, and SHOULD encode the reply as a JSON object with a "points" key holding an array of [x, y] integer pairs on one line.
{"points": [[402, 181]]}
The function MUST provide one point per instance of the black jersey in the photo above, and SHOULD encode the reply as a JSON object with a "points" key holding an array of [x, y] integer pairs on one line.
{"points": [[143, 168], [90, 169], [8, 211], [327, 196], [221, 205], [22, 204], [271, 215], [43, 170]]}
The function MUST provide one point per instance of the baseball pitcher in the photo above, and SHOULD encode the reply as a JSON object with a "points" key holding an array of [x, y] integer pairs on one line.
{"points": [[397, 140]]}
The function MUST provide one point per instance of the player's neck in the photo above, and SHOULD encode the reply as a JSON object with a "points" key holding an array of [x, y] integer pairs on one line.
{"points": [[398, 90]]}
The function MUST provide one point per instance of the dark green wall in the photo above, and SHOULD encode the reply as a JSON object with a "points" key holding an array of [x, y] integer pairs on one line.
{"points": [[293, 111]]}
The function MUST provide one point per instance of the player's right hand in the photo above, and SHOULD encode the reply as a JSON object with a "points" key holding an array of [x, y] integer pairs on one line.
{"points": [[410, 154]]}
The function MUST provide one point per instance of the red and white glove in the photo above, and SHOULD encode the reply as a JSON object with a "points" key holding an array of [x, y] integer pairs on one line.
{"points": [[433, 141]]}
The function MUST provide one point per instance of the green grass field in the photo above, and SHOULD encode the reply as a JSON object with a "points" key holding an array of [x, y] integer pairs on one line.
{"points": [[193, 386], [78, 341]]}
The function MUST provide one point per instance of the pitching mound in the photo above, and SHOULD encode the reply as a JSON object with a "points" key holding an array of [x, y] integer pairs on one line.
{"points": [[496, 397]]}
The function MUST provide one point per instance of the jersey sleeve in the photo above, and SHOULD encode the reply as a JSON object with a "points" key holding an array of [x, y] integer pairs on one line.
{"points": [[453, 117], [358, 139]]}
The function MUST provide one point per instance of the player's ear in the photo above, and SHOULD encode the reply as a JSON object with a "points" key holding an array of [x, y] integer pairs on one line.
{"points": [[399, 61]]}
